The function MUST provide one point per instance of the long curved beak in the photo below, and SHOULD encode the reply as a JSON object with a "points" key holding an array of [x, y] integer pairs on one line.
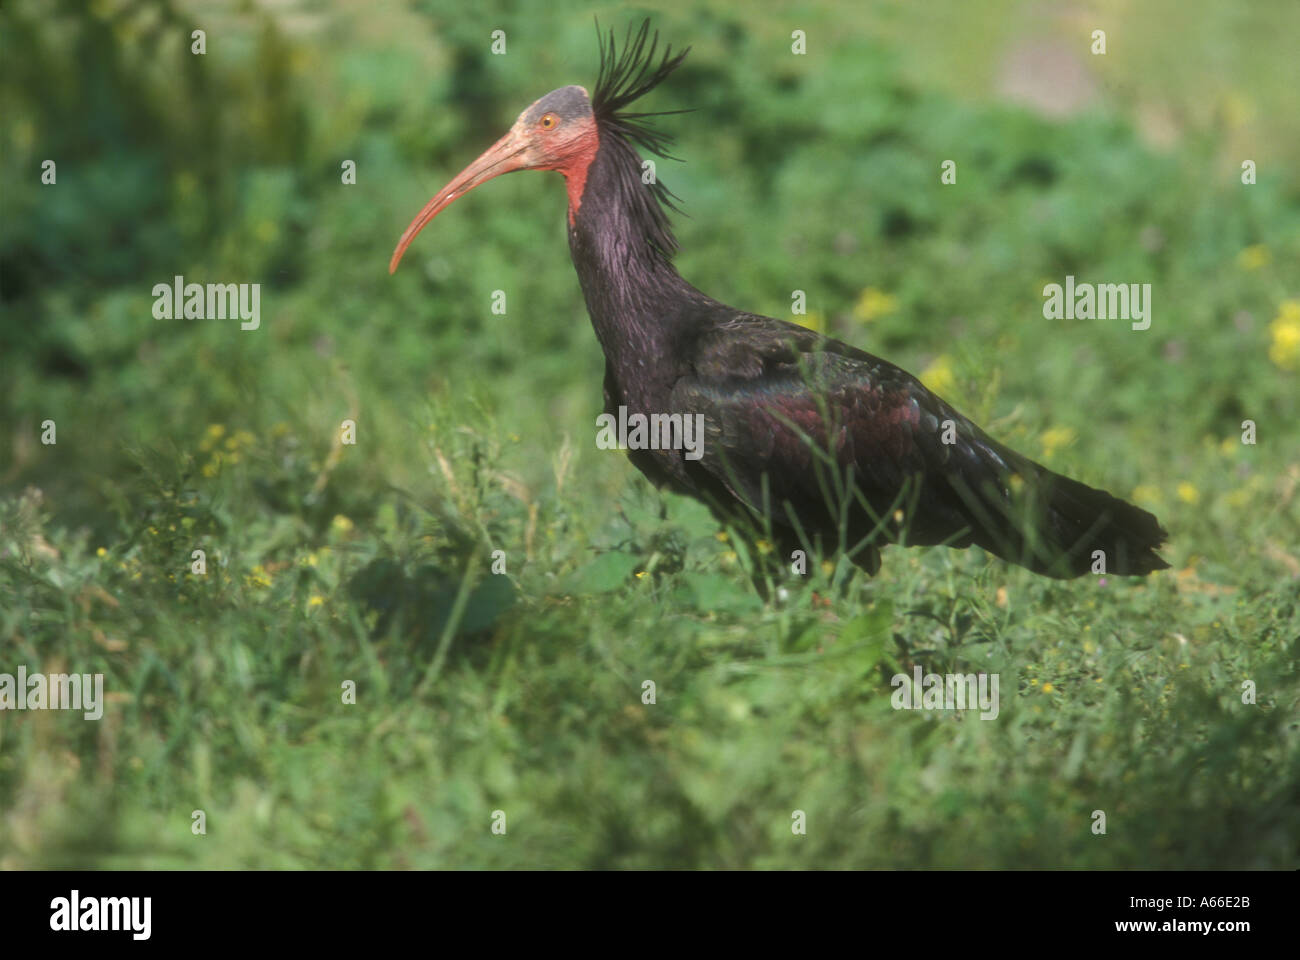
{"points": [[504, 156]]}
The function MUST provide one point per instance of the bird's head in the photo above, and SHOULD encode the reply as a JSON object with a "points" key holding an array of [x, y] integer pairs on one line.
{"points": [[558, 132], [563, 130]]}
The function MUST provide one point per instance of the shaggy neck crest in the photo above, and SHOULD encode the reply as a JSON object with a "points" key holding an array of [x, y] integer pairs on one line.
{"points": [[624, 78]]}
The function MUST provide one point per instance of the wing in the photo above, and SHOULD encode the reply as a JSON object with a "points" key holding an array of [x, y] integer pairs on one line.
{"points": [[780, 401], [786, 410]]}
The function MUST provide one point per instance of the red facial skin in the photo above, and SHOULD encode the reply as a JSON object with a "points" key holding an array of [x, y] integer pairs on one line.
{"points": [[549, 143], [578, 163]]}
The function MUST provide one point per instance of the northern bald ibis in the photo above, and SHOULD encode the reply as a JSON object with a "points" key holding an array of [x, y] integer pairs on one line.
{"points": [[806, 439]]}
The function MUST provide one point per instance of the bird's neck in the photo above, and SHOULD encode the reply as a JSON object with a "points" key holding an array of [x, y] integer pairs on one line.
{"points": [[639, 304]]}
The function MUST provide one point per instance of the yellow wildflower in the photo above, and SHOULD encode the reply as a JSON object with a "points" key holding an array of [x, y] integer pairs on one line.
{"points": [[215, 432], [1146, 493], [1284, 351], [1254, 257], [938, 376], [1055, 439], [813, 320], [873, 304]]}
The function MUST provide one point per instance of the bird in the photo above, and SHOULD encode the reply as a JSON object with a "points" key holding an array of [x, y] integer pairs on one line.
{"points": [[808, 443]]}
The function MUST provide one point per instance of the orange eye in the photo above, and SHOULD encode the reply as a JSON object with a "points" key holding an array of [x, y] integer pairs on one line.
{"points": [[549, 121]]}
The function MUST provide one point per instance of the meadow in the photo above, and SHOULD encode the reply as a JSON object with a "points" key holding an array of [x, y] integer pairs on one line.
{"points": [[1167, 703]]}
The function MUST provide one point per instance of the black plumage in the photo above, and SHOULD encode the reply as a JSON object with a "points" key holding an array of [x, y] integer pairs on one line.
{"points": [[786, 410], [808, 439]]}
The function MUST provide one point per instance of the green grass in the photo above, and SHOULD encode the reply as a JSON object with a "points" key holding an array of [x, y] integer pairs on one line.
{"points": [[522, 692]]}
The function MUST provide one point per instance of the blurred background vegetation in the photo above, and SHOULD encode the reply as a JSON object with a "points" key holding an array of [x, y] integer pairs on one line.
{"points": [[817, 172]]}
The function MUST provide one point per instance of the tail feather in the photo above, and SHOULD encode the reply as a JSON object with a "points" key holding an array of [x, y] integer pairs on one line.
{"points": [[1024, 513], [1062, 528]]}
